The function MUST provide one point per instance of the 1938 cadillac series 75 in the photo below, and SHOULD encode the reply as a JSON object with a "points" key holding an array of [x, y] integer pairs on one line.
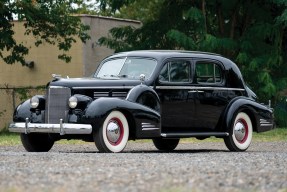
{"points": [[158, 95]]}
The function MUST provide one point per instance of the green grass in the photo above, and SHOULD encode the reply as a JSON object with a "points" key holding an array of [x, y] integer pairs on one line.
{"points": [[7, 138], [279, 134]]}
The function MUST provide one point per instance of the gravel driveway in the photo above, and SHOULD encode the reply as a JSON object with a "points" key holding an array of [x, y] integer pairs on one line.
{"points": [[199, 166]]}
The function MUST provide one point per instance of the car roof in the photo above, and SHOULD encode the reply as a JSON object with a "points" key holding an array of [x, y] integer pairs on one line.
{"points": [[165, 54], [162, 55]]}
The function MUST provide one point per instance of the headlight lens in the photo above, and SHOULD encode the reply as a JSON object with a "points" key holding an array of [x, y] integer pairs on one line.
{"points": [[34, 102], [73, 101]]}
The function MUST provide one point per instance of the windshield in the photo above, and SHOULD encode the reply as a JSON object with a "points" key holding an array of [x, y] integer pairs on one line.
{"points": [[128, 67]]}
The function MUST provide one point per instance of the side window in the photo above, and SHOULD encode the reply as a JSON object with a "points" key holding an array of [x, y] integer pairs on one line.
{"points": [[208, 72], [175, 71]]}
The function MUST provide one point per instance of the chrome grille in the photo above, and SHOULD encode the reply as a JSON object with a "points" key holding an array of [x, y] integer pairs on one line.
{"points": [[57, 104], [117, 94]]}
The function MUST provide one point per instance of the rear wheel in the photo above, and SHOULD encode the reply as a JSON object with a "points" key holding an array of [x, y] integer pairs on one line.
{"points": [[240, 137], [113, 135], [37, 142], [165, 144]]}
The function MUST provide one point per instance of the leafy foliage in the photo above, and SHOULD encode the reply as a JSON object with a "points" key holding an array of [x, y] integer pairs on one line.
{"points": [[48, 21], [252, 33]]}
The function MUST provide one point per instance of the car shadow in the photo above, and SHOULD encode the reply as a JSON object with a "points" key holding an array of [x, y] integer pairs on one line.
{"points": [[180, 151]]}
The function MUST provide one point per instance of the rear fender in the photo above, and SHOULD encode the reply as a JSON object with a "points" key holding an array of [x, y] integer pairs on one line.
{"points": [[260, 115]]}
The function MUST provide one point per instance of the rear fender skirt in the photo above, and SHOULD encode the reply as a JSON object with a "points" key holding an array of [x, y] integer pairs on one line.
{"points": [[146, 120], [261, 116]]}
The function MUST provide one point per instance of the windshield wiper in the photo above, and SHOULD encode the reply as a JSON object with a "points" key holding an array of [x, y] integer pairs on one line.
{"points": [[124, 76], [113, 76]]}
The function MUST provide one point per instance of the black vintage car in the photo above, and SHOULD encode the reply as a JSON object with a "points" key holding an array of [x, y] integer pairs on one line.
{"points": [[158, 95]]}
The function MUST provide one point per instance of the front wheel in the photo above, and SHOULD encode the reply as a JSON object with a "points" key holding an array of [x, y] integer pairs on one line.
{"points": [[37, 142], [165, 144], [113, 135], [241, 135]]}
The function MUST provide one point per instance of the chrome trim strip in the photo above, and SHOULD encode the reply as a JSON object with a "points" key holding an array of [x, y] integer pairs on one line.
{"points": [[264, 121], [147, 126], [62, 128], [267, 124], [112, 87], [55, 87], [194, 134], [167, 87], [200, 88], [150, 129]]}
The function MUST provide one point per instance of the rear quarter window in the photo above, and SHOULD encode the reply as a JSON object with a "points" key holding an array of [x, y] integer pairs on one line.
{"points": [[208, 73]]}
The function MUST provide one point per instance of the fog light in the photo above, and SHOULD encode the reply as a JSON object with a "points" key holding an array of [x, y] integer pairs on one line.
{"points": [[34, 102], [73, 101]]}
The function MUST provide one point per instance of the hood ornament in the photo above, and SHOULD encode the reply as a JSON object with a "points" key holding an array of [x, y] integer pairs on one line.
{"points": [[142, 78], [56, 76]]}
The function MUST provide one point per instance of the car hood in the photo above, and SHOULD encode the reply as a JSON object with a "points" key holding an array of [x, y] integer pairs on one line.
{"points": [[93, 82]]}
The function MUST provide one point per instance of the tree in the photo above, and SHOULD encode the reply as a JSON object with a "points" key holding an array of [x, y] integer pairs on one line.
{"points": [[48, 21], [252, 33]]}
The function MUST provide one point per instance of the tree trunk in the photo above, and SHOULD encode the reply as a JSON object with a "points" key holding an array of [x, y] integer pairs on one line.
{"points": [[220, 19], [204, 14], [234, 19]]}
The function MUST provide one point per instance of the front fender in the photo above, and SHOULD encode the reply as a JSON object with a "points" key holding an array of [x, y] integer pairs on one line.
{"points": [[22, 111], [136, 91], [137, 115], [260, 115]]}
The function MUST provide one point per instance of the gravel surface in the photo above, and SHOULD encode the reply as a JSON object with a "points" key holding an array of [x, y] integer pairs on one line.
{"points": [[199, 166]]}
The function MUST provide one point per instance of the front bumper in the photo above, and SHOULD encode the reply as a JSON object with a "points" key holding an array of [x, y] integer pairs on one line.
{"points": [[61, 128]]}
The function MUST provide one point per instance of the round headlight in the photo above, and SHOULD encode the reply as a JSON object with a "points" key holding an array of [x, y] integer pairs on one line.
{"points": [[34, 102], [73, 101]]}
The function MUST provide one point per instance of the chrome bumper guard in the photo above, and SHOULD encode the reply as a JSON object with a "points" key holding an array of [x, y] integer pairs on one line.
{"points": [[61, 128]]}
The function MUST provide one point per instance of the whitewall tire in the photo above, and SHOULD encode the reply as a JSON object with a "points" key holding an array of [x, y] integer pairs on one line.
{"points": [[241, 136], [114, 133]]}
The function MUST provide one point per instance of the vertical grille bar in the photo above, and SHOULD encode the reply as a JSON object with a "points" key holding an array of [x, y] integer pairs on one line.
{"points": [[57, 104]]}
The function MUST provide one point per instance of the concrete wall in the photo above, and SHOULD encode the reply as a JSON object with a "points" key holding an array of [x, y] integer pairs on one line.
{"points": [[93, 53], [85, 59]]}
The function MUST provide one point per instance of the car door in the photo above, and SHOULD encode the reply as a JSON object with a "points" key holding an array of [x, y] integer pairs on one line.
{"points": [[177, 105], [209, 92]]}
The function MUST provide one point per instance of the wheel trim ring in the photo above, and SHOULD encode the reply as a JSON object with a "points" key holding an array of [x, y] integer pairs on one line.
{"points": [[121, 130], [245, 126]]}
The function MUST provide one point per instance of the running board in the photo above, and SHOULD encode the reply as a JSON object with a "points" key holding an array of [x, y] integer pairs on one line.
{"points": [[194, 134]]}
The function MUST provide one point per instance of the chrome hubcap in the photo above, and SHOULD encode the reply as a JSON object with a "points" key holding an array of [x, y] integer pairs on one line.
{"points": [[240, 131], [113, 131]]}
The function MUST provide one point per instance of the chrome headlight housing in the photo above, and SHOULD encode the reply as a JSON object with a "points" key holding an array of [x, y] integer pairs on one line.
{"points": [[34, 102], [73, 102]]}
